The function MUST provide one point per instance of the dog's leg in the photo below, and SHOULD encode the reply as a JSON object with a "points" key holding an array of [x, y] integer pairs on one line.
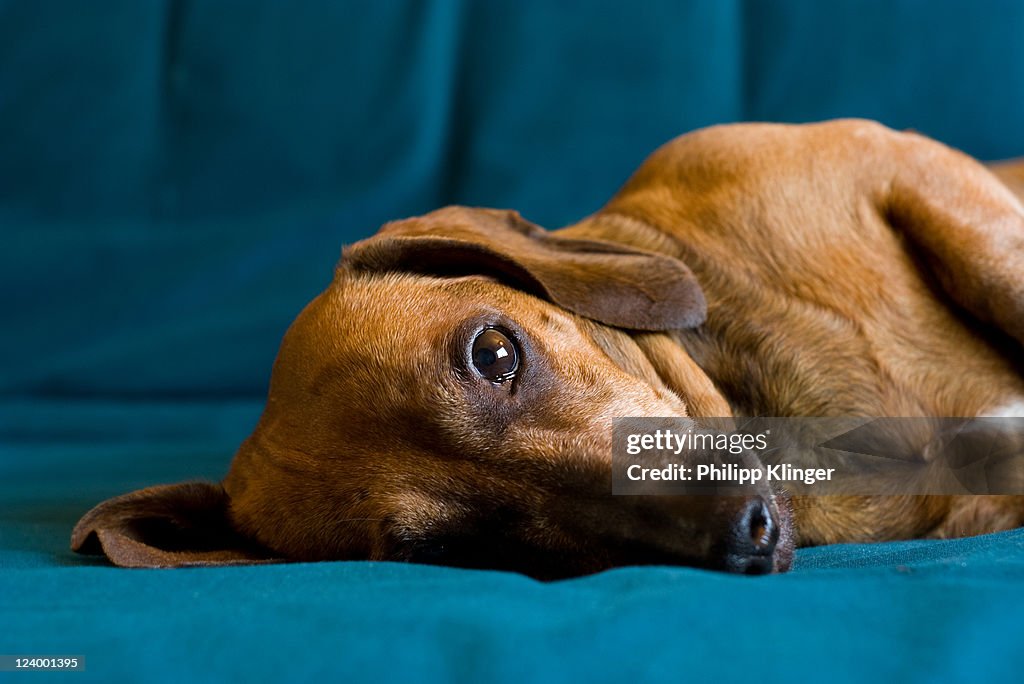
{"points": [[968, 227], [971, 515]]}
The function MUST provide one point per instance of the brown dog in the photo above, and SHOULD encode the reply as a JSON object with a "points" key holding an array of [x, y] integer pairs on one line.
{"points": [[448, 398]]}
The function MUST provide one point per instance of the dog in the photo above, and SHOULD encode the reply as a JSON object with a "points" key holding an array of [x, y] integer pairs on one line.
{"points": [[448, 398]]}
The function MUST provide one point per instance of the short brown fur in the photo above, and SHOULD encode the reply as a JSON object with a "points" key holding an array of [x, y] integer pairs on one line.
{"points": [[847, 269]]}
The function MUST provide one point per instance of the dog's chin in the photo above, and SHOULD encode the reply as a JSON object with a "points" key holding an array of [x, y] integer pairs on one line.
{"points": [[784, 548]]}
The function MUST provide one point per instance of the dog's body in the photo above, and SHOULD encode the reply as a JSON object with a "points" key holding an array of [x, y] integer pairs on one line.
{"points": [[848, 270], [820, 300]]}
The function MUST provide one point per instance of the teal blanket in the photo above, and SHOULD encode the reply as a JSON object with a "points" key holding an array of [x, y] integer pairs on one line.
{"points": [[920, 611]]}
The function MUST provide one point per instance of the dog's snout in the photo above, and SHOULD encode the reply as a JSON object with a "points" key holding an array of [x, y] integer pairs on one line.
{"points": [[752, 539], [757, 526]]}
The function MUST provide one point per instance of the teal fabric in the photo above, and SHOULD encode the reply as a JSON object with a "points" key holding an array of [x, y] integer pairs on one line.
{"points": [[918, 611], [176, 181], [177, 178]]}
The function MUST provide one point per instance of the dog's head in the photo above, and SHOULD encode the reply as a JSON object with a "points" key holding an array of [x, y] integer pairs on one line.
{"points": [[448, 399]]}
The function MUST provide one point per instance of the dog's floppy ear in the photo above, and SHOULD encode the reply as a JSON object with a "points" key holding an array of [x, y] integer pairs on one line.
{"points": [[167, 526], [602, 281]]}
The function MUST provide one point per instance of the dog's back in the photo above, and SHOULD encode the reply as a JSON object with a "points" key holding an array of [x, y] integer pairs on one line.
{"points": [[1012, 175], [850, 271]]}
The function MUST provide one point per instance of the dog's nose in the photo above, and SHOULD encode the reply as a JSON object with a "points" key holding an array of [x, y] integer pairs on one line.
{"points": [[751, 539]]}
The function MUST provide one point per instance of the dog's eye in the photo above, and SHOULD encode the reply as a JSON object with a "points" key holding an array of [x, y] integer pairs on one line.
{"points": [[495, 356]]}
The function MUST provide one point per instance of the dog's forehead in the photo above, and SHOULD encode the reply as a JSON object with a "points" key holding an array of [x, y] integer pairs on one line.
{"points": [[397, 323], [387, 304], [387, 308], [387, 338], [387, 324]]}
